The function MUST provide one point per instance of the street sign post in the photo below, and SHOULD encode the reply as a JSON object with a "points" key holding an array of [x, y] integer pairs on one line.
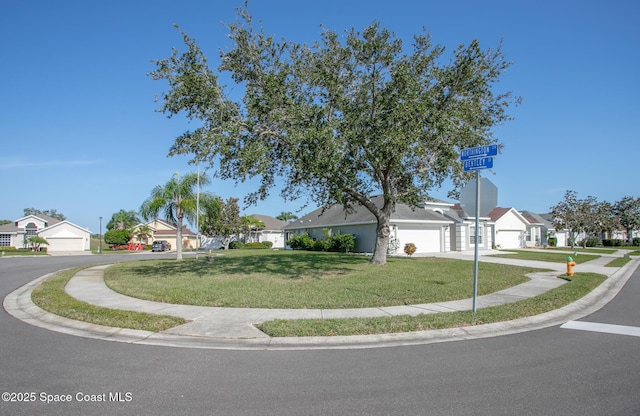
{"points": [[476, 159]]}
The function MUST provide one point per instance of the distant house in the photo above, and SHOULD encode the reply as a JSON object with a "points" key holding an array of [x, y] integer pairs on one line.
{"points": [[426, 226], [463, 234], [273, 230], [61, 236], [512, 229], [547, 229], [164, 230]]}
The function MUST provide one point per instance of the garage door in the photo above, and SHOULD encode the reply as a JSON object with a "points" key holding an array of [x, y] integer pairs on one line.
{"points": [[509, 239], [64, 244], [426, 239]]}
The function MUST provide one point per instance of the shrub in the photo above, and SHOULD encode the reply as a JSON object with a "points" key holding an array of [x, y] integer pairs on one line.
{"points": [[552, 241], [636, 241], [267, 244], [342, 243], [410, 248], [321, 245], [235, 245], [117, 237], [590, 242], [615, 242], [301, 242]]}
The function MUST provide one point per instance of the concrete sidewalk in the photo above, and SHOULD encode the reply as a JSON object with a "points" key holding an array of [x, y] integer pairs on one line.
{"points": [[233, 328]]}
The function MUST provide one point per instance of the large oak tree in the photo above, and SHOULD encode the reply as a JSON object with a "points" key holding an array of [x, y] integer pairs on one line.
{"points": [[340, 120]]}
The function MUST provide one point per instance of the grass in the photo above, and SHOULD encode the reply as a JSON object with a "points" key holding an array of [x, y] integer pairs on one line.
{"points": [[579, 286], [585, 250], [618, 262], [316, 280], [545, 256], [50, 296]]}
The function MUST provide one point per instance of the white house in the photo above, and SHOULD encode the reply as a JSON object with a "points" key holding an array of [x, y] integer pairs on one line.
{"points": [[60, 235], [426, 226]]}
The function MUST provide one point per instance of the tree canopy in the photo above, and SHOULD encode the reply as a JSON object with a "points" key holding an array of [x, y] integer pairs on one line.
{"points": [[49, 212], [340, 120], [123, 220]]}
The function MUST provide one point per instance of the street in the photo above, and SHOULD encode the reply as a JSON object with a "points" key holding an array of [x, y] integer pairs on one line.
{"points": [[553, 371]]}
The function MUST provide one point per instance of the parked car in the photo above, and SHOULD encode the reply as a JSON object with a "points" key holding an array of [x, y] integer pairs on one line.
{"points": [[160, 245]]}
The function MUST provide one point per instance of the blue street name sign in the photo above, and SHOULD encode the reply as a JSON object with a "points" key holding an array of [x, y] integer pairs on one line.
{"points": [[478, 163], [480, 151]]}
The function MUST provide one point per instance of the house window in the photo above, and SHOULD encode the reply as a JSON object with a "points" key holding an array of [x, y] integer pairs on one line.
{"points": [[472, 235], [527, 236], [5, 240], [31, 229]]}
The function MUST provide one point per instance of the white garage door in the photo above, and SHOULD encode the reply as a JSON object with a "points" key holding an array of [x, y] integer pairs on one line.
{"points": [[509, 239], [64, 244], [426, 239]]}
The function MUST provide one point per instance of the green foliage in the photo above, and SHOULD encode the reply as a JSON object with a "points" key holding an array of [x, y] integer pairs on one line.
{"points": [[117, 237], [552, 241], [220, 218], [259, 245], [123, 220], [614, 242], [176, 200], [342, 243], [235, 245], [301, 242], [301, 115], [636, 241], [49, 212], [590, 242]]}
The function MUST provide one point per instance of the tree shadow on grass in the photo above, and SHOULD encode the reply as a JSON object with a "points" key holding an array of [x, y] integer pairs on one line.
{"points": [[284, 265]]}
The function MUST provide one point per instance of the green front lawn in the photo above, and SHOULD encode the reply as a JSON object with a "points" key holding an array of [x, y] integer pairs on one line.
{"points": [[315, 280]]}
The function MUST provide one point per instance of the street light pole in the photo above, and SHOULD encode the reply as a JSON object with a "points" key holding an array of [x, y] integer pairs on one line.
{"points": [[100, 240]]}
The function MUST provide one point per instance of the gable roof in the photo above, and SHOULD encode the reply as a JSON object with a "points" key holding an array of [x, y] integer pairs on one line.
{"points": [[499, 212], [270, 223], [336, 215], [536, 218]]}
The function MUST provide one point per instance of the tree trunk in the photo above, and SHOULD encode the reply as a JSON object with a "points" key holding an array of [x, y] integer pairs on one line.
{"points": [[179, 240], [383, 231]]}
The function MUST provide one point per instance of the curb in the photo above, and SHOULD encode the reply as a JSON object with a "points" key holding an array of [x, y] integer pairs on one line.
{"points": [[19, 305]]}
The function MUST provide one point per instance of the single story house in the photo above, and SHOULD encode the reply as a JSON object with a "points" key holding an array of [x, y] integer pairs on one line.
{"points": [[61, 235], [273, 230], [164, 230], [426, 226]]}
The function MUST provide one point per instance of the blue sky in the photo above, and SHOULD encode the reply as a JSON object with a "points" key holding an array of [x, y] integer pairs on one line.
{"points": [[80, 133]]}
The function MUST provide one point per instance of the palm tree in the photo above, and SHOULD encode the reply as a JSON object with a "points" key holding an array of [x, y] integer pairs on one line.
{"points": [[143, 233], [176, 200], [123, 220], [250, 224], [287, 216]]}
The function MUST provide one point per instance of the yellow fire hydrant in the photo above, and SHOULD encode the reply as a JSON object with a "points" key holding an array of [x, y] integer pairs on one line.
{"points": [[570, 264]]}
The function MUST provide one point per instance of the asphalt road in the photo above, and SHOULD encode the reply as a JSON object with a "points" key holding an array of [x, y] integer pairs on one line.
{"points": [[553, 371]]}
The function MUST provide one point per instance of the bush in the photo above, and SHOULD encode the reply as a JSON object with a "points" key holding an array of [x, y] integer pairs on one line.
{"points": [[321, 245], [301, 242], [552, 241], [235, 245], [117, 237], [410, 248], [342, 243], [590, 242], [259, 245], [636, 242], [615, 242]]}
